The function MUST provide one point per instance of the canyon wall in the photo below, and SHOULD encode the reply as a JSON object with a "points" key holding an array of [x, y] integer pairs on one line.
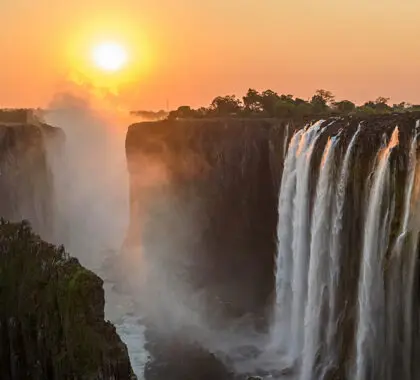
{"points": [[205, 225], [52, 323], [202, 237], [26, 183], [203, 199]]}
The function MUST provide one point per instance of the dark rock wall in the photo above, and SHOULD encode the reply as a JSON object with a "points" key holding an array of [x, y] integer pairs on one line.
{"points": [[204, 204], [52, 315], [26, 183], [231, 170]]}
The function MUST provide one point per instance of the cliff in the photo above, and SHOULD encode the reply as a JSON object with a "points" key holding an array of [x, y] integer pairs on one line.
{"points": [[203, 197], [183, 175], [204, 207], [52, 314], [26, 183]]}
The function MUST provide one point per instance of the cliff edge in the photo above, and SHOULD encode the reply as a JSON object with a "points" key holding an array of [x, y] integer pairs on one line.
{"points": [[52, 314], [26, 182]]}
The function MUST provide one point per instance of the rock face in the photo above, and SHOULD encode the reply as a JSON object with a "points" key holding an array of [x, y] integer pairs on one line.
{"points": [[26, 186], [204, 214], [52, 314], [204, 200], [51, 309], [190, 173]]}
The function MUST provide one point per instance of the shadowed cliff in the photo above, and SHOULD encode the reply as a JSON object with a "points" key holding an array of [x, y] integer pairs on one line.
{"points": [[52, 314], [26, 184], [203, 194], [204, 198], [51, 308]]}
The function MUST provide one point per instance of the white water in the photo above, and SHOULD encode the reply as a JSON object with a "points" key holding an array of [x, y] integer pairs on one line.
{"points": [[310, 263], [369, 338], [318, 264], [285, 237], [301, 236], [293, 244], [402, 273], [335, 249]]}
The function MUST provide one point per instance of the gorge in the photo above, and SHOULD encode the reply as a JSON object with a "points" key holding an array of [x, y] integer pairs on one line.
{"points": [[247, 247]]}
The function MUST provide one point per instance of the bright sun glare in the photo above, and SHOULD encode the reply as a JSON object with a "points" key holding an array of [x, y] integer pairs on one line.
{"points": [[109, 56]]}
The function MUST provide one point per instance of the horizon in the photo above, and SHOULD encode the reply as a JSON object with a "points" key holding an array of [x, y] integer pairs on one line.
{"points": [[188, 53]]}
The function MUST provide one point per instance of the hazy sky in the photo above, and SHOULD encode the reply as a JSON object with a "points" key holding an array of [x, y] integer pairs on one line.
{"points": [[188, 51]]}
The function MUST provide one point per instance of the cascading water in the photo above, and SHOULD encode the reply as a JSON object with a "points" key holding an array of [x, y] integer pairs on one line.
{"points": [[318, 264], [371, 297], [400, 283], [301, 236], [313, 275], [294, 239], [335, 250], [285, 233]]}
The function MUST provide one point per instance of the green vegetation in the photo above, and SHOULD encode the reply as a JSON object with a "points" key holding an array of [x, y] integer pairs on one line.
{"points": [[269, 104], [52, 314]]}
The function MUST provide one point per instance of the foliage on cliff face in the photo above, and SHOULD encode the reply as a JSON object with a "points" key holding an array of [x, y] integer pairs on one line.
{"points": [[52, 314]]}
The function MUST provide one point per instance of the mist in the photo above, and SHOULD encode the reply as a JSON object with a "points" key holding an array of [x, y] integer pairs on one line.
{"points": [[147, 268], [90, 175]]}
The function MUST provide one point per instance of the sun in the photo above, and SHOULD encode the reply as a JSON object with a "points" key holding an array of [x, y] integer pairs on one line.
{"points": [[109, 56]]}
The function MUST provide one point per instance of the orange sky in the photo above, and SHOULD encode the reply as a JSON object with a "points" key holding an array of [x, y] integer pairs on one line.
{"points": [[189, 51]]}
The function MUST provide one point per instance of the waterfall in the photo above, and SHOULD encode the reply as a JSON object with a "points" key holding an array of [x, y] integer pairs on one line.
{"points": [[335, 250], [314, 274], [301, 236], [293, 239], [400, 283], [285, 237], [318, 264], [369, 338]]}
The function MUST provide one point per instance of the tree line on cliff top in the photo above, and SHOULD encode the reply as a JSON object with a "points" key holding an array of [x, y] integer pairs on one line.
{"points": [[270, 104]]}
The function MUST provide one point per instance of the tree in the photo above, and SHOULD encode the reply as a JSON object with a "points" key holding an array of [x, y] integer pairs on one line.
{"points": [[269, 99], [380, 105], [284, 109], [226, 105], [366, 109], [183, 112], [344, 106], [381, 100], [400, 107], [325, 95], [252, 101], [303, 108], [202, 112]]}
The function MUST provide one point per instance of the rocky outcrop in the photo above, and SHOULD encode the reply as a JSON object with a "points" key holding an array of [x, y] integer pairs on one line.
{"points": [[52, 314]]}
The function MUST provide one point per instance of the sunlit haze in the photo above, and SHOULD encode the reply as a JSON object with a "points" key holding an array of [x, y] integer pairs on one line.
{"points": [[188, 52]]}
